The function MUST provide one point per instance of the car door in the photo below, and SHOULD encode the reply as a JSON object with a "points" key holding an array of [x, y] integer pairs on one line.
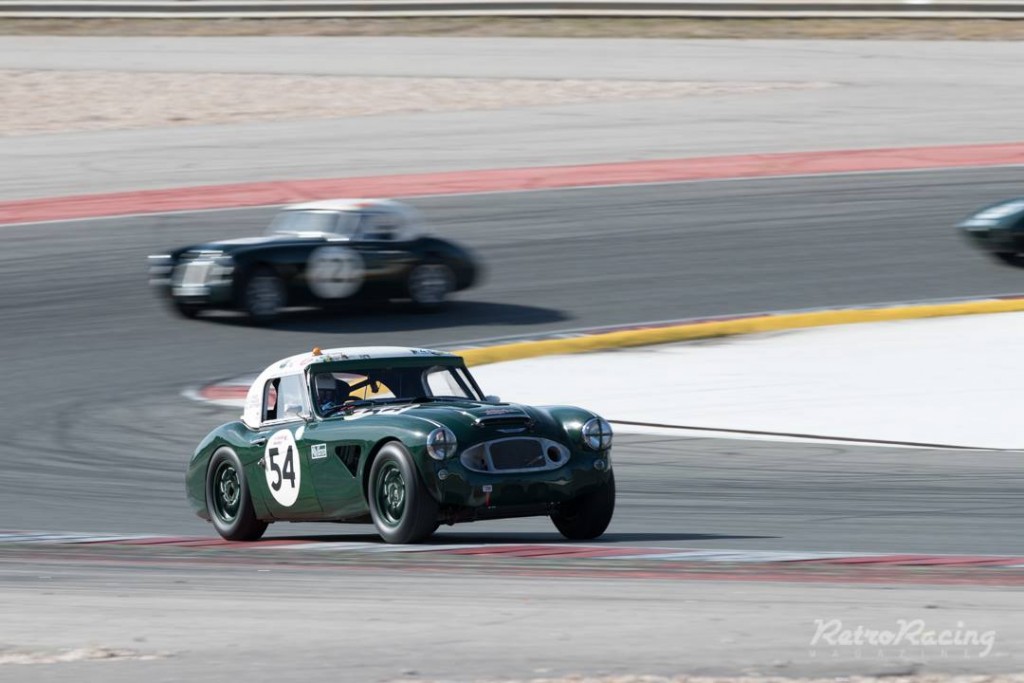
{"points": [[384, 248], [334, 462], [283, 477]]}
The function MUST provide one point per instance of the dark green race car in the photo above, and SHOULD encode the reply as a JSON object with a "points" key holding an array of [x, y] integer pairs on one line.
{"points": [[403, 438], [998, 229]]}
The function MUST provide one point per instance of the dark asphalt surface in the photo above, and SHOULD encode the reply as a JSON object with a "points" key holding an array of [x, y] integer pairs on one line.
{"points": [[96, 433]]}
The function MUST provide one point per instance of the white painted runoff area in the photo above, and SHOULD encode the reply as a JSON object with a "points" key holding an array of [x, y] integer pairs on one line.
{"points": [[956, 381]]}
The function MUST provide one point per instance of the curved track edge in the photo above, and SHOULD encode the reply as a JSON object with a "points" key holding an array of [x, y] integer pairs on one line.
{"points": [[731, 167], [689, 330]]}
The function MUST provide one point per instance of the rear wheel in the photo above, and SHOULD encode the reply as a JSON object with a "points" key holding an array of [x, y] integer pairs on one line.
{"points": [[429, 284], [228, 500], [401, 507], [589, 515], [263, 295]]}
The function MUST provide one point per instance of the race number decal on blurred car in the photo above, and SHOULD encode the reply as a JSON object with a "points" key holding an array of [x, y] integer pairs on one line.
{"points": [[335, 272], [281, 465]]}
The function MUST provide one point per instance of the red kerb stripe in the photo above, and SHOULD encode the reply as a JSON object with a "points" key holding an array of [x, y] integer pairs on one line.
{"points": [[551, 177]]}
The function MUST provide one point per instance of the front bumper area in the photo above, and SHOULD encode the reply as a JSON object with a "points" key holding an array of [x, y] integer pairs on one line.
{"points": [[220, 294], [197, 281], [464, 493]]}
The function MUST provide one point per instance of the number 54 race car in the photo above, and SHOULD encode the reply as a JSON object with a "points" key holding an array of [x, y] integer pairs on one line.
{"points": [[317, 254], [403, 438]]}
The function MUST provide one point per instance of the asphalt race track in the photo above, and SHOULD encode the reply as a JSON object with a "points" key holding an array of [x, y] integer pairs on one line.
{"points": [[96, 432]]}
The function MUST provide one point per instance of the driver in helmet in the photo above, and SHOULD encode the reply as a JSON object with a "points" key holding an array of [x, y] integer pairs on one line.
{"points": [[330, 391]]}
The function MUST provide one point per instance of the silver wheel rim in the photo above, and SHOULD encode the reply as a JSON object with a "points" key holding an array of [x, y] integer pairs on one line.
{"points": [[264, 295], [430, 283]]}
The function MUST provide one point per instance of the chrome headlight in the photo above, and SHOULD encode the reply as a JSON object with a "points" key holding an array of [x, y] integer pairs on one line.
{"points": [[223, 267], [597, 434], [441, 443]]}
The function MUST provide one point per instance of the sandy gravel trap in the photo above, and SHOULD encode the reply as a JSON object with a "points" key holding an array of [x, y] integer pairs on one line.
{"points": [[64, 101]]}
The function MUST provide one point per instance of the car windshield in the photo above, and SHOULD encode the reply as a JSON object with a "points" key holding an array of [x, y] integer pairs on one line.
{"points": [[295, 221], [332, 391]]}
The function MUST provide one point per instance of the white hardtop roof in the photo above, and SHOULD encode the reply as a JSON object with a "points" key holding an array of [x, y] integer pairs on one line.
{"points": [[297, 363], [350, 205]]}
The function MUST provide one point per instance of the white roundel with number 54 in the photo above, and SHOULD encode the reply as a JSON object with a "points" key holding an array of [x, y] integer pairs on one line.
{"points": [[282, 467], [335, 272]]}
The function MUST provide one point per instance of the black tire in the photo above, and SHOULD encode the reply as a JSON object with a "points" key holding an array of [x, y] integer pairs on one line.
{"points": [[588, 516], [429, 284], [1009, 258], [185, 310], [228, 500], [401, 507], [262, 295]]}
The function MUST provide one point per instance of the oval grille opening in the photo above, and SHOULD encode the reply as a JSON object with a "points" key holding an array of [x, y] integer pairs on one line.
{"points": [[516, 454]]}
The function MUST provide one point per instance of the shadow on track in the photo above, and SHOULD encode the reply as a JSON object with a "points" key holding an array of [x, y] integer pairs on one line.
{"points": [[400, 317]]}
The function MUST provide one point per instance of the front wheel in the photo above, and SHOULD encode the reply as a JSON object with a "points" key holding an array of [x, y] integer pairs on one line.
{"points": [[589, 515], [429, 284], [401, 507], [228, 500], [263, 296]]}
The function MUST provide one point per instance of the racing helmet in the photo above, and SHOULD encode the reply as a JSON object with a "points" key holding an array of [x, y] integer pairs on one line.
{"points": [[330, 391]]}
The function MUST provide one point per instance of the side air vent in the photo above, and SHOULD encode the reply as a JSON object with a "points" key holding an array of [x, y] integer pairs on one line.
{"points": [[349, 456]]}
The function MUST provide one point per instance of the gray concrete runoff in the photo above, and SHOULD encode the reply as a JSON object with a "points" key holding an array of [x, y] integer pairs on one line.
{"points": [[881, 94], [121, 624]]}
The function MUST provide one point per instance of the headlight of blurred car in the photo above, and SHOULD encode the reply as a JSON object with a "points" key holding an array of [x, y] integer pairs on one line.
{"points": [[223, 267], [597, 434], [441, 443]]}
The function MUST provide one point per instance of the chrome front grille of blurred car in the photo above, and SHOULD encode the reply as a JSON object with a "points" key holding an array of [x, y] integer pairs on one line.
{"points": [[515, 454], [193, 273]]}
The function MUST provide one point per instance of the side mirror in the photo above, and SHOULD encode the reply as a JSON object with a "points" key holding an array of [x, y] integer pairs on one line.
{"points": [[492, 399]]}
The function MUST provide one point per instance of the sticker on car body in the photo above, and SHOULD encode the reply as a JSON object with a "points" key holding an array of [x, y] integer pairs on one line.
{"points": [[318, 451], [378, 410], [283, 468], [335, 272]]}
